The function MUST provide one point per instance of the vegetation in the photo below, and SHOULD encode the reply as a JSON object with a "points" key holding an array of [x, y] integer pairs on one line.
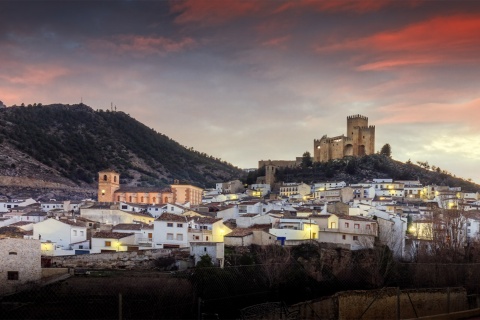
{"points": [[78, 142], [354, 170]]}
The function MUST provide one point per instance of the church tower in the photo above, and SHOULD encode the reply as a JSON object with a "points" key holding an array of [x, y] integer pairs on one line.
{"points": [[108, 183]]}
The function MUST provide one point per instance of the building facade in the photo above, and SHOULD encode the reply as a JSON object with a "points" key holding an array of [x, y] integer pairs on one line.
{"points": [[109, 190]]}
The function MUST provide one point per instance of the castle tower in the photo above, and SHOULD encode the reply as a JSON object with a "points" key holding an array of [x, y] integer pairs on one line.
{"points": [[270, 174], [108, 183], [353, 122]]}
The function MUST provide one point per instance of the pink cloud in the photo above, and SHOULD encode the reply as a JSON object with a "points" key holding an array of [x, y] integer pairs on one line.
{"points": [[33, 74], [358, 6], [276, 42], [142, 45], [463, 112], [437, 40], [211, 12]]}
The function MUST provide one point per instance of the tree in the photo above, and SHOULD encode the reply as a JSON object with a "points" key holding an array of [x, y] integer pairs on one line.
{"points": [[386, 150], [306, 160], [205, 262]]}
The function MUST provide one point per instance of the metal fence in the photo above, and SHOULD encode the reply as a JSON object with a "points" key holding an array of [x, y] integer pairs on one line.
{"points": [[223, 293]]}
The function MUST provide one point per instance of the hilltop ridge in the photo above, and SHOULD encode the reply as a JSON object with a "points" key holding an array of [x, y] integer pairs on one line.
{"points": [[66, 145]]}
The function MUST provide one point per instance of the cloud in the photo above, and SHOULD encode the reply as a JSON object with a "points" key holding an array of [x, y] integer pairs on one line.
{"points": [[141, 45], [358, 6], [445, 39], [32, 74], [465, 113], [211, 12]]}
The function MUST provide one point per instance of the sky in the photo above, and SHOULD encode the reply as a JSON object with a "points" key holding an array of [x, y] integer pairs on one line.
{"points": [[255, 80]]}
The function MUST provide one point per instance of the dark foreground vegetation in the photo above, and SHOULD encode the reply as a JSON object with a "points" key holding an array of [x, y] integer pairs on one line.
{"points": [[290, 275]]}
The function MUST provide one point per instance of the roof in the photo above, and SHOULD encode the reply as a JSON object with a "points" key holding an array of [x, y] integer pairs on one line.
{"points": [[69, 222], [142, 189], [353, 218], [12, 232], [20, 223], [240, 232], [248, 215], [36, 214], [206, 220], [171, 217], [111, 235], [131, 226]]}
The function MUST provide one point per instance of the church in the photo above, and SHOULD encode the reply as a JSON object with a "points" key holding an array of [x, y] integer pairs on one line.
{"points": [[109, 190]]}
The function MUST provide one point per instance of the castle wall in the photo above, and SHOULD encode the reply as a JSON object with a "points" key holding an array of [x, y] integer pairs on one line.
{"points": [[360, 140]]}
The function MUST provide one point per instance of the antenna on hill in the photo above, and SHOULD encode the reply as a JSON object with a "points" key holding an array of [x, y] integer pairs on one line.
{"points": [[115, 108], [111, 106]]}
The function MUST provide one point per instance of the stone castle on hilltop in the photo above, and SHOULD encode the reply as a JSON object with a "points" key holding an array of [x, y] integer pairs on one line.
{"points": [[360, 141]]}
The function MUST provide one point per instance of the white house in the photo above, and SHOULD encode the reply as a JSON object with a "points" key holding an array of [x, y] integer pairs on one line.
{"points": [[34, 216], [6, 206], [170, 231], [391, 230], [19, 264], [112, 215], [204, 229], [63, 232], [112, 241], [353, 232], [241, 237], [215, 250], [143, 233], [327, 185], [295, 229]]}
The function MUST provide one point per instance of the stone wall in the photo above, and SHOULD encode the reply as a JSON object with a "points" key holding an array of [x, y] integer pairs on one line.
{"points": [[382, 304], [21, 257], [51, 272], [116, 260]]}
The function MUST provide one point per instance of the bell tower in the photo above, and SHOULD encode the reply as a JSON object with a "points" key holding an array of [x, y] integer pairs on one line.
{"points": [[108, 183]]}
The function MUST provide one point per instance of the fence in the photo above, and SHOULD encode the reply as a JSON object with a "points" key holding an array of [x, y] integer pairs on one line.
{"points": [[314, 292]]}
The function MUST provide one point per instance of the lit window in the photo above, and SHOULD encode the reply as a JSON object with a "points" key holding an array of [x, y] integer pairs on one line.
{"points": [[103, 192], [108, 243]]}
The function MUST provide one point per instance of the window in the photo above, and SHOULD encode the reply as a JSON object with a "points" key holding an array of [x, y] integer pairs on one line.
{"points": [[356, 226], [103, 192], [171, 209], [108, 243], [118, 198], [170, 225], [74, 232], [12, 253], [344, 237], [80, 247], [114, 178], [206, 238], [82, 233], [141, 199], [179, 225], [346, 225], [355, 238], [130, 199], [205, 249], [368, 226], [169, 236], [124, 207], [12, 275], [105, 178], [333, 225], [179, 237]]}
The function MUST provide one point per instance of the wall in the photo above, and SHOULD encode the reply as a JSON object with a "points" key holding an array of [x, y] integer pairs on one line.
{"points": [[354, 304], [115, 260], [51, 272], [26, 261]]}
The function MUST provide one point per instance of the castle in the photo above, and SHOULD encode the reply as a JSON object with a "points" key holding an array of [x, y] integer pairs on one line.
{"points": [[109, 190], [360, 141]]}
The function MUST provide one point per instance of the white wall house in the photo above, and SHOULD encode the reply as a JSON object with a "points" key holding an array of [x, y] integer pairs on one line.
{"points": [[207, 229], [19, 264], [322, 186], [6, 206], [353, 232], [62, 232], [215, 250], [34, 216], [295, 229], [112, 215], [170, 231], [111, 241], [143, 233]]}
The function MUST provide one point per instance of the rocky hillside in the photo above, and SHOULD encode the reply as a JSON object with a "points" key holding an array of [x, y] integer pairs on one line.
{"points": [[64, 146]]}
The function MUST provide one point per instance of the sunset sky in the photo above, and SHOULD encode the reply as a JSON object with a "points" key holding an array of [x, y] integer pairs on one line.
{"points": [[252, 80]]}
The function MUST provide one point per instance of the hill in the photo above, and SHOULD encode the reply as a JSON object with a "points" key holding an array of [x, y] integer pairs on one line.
{"points": [[353, 170], [59, 146]]}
